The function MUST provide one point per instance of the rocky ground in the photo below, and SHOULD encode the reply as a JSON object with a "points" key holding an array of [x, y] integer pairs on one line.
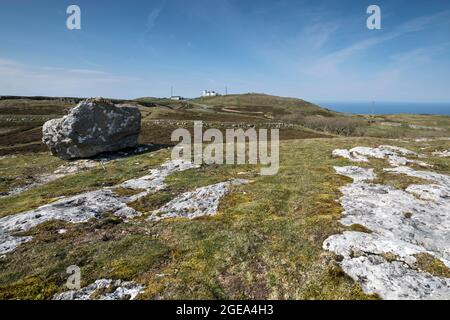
{"points": [[85, 206], [388, 231], [344, 218], [103, 289], [402, 226], [41, 179]]}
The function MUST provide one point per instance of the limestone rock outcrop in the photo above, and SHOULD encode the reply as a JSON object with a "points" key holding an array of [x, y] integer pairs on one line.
{"points": [[92, 127]]}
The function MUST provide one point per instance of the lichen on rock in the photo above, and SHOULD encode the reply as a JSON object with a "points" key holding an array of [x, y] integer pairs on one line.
{"points": [[203, 201], [442, 154], [403, 224], [395, 155], [87, 205], [92, 127], [42, 179], [104, 289], [356, 173]]}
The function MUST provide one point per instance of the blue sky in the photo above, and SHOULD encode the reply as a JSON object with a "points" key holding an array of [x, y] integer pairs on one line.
{"points": [[315, 50]]}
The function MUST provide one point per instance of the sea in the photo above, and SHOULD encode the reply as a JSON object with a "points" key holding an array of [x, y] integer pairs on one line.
{"points": [[369, 107]]}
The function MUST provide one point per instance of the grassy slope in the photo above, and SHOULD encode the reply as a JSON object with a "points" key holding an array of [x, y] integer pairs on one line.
{"points": [[21, 123], [257, 109], [264, 243], [430, 126], [21, 119], [14, 171], [236, 254], [258, 102]]}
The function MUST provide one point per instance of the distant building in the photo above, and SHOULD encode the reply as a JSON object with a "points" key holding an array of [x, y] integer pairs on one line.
{"points": [[208, 93], [179, 98]]}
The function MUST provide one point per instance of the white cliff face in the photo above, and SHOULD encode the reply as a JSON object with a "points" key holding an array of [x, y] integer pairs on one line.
{"points": [[403, 223], [104, 289], [203, 201], [87, 205]]}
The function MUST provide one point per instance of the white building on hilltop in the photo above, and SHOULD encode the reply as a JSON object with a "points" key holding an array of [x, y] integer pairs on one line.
{"points": [[207, 93]]}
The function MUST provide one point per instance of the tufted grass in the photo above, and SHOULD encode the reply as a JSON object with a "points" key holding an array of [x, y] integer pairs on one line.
{"points": [[265, 242]]}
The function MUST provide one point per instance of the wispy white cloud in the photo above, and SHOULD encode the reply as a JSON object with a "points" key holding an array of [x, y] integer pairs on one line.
{"points": [[419, 56], [88, 72], [17, 78], [153, 16], [329, 62], [317, 35], [8, 62]]}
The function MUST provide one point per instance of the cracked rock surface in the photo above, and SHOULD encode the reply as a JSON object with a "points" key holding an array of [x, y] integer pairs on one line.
{"points": [[103, 289], [395, 155], [87, 205], [73, 167], [403, 223], [356, 173], [92, 127], [203, 201], [62, 171], [443, 154]]}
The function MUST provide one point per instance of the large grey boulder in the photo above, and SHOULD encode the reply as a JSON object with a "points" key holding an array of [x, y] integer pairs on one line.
{"points": [[92, 127]]}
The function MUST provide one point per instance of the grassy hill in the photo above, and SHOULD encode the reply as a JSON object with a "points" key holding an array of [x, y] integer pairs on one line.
{"points": [[21, 119], [263, 103], [266, 240], [244, 110]]}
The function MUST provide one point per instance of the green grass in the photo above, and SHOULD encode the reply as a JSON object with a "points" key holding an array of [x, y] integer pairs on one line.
{"points": [[21, 120], [102, 176], [430, 264], [264, 243], [15, 170], [262, 102], [439, 126], [100, 248]]}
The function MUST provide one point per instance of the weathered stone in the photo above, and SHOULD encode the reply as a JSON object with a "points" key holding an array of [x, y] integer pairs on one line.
{"points": [[92, 127], [361, 154], [395, 280], [104, 289], [62, 171], [9, 243], [403, 223], [443, 154], [426, 175], [84, 206], [203, 201], [356, 173]]}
